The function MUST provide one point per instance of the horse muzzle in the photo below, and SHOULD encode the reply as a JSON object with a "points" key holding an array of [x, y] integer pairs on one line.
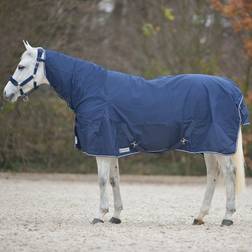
{"points": [[8, 97]]}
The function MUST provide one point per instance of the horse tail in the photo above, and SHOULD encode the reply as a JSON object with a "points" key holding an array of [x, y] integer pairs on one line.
{"points": [[238, 161]]}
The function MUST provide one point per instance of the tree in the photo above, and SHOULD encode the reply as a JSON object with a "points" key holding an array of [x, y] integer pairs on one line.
{"points": [[239, 12]]}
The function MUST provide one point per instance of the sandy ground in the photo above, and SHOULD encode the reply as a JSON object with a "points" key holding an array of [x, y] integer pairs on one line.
{"points": [[52, 213]]}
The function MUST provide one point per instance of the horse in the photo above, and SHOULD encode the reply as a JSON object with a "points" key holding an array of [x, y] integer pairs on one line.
{"points": [[214, 131]]}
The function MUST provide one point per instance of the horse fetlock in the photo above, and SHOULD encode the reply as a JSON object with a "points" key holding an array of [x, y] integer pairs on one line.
{"points": [[203, 213], [119, 208], [229, 214], [104, 210], [231, 210], [97, 220]]}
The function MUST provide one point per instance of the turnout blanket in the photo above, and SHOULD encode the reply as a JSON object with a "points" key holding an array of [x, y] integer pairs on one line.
{"points": [[119, 114]]}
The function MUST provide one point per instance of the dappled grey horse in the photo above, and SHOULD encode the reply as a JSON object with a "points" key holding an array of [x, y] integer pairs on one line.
{"points": [[119, 115]]}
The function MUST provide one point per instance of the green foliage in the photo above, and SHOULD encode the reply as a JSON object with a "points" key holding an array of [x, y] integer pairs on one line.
{"points": [[149, 30], [169, 163], [198, 19], [7, 108], [209, 66], [168, 14], [155, 69]]}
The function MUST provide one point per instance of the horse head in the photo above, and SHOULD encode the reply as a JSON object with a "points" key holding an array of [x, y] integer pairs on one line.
{"points": [[29, 74]]}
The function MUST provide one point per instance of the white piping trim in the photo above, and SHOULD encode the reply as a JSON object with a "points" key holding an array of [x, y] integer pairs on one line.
{"points": [[124, 155], [239, 109], [132, 153], [239, 112]]}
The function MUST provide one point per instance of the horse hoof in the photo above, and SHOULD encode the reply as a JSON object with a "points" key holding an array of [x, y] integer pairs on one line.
{"points": [[115, 220], [226, 222], [198, 222], [96, 220]]}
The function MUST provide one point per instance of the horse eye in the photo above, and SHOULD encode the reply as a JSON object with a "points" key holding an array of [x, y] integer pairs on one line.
{"points": [[21, 67]]}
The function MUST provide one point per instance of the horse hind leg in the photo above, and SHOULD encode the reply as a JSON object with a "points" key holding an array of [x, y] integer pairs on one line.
{"points": [[212, 175], [229, 173]]}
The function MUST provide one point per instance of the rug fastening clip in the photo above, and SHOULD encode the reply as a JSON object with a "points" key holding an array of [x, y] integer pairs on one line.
{"points": [[183, 141]]}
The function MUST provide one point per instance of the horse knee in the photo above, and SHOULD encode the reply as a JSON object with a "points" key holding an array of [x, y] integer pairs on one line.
{"points": [[119, 207], [112, 181], [102, 181]]}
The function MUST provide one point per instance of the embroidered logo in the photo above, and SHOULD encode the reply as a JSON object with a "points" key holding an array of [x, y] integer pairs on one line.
{"points": [[123, 150]]}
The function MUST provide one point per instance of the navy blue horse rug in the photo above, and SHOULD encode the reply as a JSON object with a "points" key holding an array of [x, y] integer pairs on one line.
{"points": [[119, 114]]}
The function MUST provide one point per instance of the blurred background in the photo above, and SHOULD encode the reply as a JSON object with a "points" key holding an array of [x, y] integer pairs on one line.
{"points": [[144, 37]]}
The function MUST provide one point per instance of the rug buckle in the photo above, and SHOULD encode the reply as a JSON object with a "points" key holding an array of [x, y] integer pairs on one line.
{"points": [[133, 144], [183, 141]]}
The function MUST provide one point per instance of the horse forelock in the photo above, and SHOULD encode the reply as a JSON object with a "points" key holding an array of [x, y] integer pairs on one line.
{"points": [[27, 54]]}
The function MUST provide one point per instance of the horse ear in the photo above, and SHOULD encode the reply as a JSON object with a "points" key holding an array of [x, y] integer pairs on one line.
{"points": [[28, 47], [25, 45]]}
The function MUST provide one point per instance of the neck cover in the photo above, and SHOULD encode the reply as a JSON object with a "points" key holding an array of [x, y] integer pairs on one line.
{"points": [[119, 114]]}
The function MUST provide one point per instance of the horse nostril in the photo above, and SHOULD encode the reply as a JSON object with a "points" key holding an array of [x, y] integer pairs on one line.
{"points": [[6, 97]]}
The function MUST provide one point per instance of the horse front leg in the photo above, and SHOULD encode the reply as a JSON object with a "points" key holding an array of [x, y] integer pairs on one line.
{"points": [[114, 181], [103, 166], [212, 175]]}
